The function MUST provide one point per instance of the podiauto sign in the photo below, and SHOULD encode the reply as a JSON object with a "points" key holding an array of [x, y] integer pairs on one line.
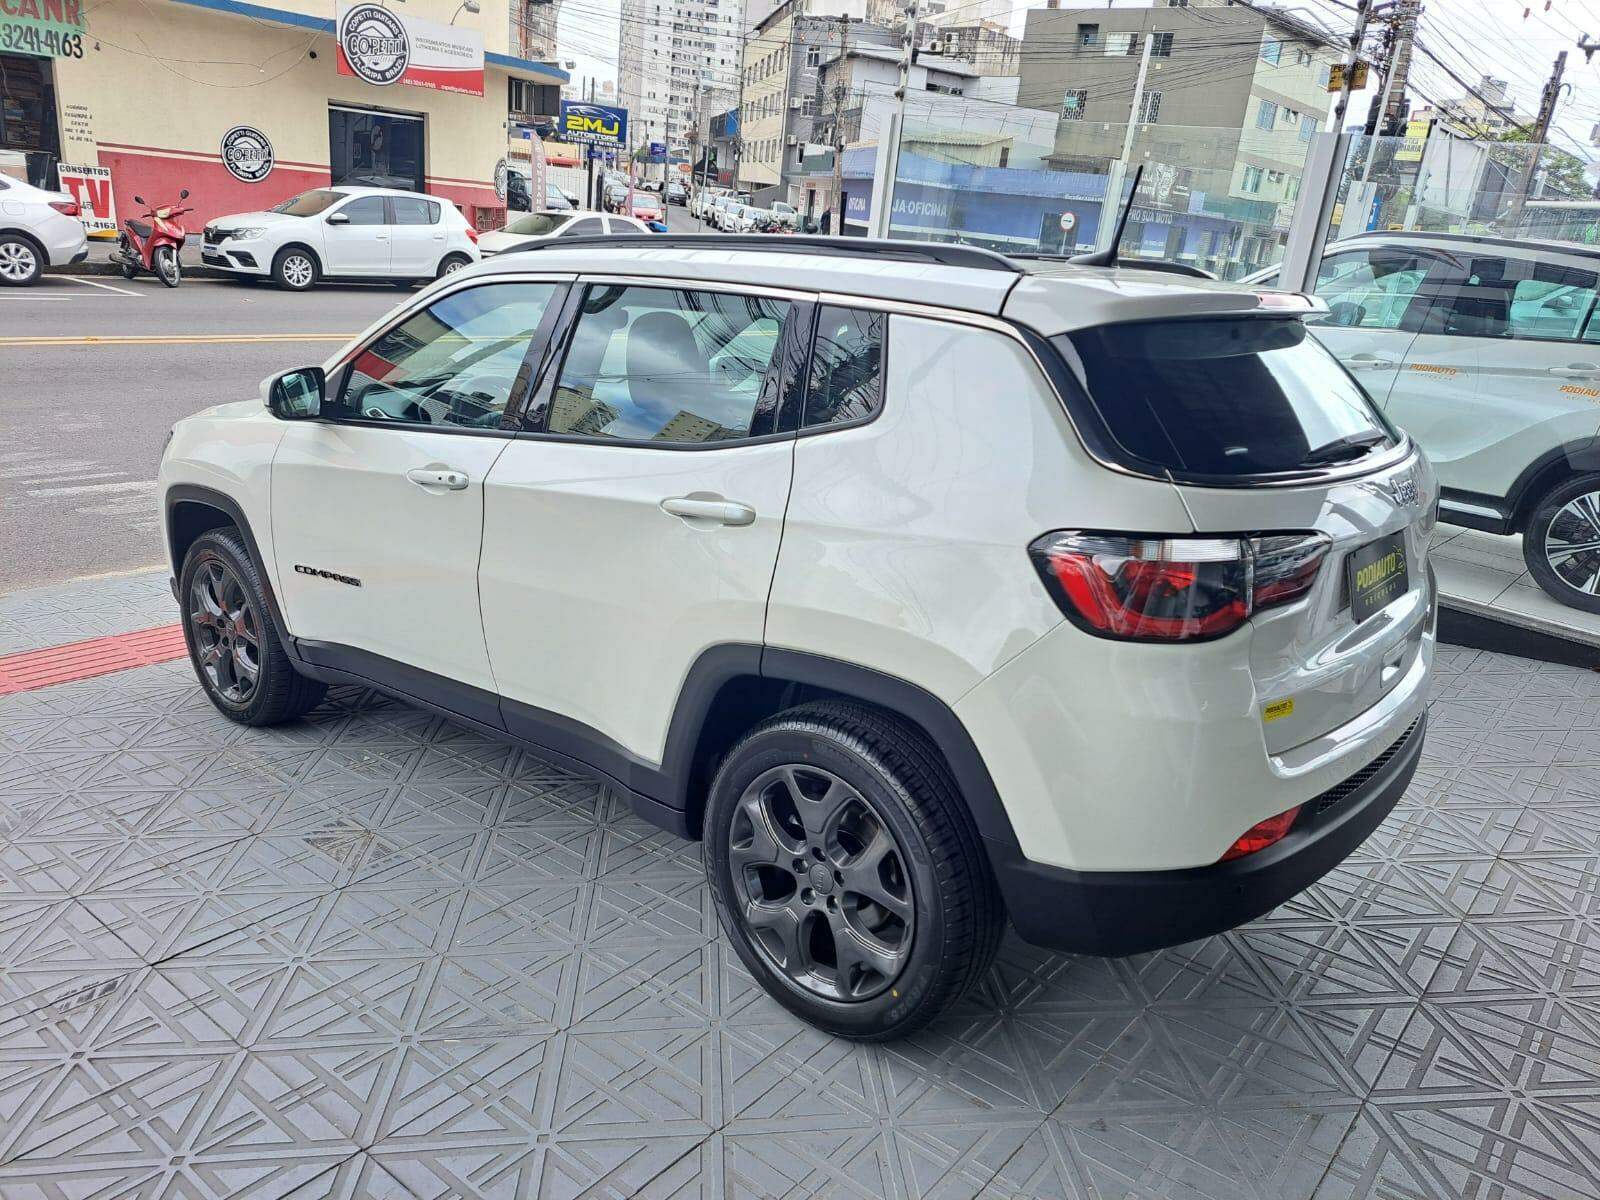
{"points": [[382, 47], [590, 124]]}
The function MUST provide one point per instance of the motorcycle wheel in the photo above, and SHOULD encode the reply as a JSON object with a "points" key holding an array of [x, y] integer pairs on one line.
{"points": [[127, 268], [167, 268]]}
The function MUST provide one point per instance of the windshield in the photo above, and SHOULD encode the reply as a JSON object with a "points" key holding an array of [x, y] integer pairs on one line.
{"points": [[309, 204], [1226, 397], [537, 224], [780, 206]]}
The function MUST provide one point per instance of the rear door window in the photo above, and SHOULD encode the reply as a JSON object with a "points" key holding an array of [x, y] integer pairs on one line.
{"points": [[1224, 398], [1495, 296], [1372, 289]]}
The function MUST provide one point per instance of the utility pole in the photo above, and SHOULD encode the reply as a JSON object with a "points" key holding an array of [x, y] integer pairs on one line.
{"points": [[1391, 98], [840, 91], [1119, 169], [1358, 36], [1548, 100]]}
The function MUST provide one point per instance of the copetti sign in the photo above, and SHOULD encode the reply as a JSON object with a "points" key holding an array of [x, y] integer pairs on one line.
{"points": [[594, 124], [382, 47]]}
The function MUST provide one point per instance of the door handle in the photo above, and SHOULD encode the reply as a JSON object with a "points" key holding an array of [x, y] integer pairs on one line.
{"points": [[701, 508], [1576, 371], [1368, 362], [445, 480]]}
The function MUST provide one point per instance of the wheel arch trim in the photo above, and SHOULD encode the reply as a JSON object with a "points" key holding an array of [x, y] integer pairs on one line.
{"points": [[1579, 457], [189, 493]]}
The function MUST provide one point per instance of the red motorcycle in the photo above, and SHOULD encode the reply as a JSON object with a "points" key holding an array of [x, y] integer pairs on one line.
{"points": [[154, 243]]}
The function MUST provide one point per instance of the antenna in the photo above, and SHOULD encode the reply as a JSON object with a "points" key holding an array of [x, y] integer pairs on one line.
{"points": [[1108, 256]]}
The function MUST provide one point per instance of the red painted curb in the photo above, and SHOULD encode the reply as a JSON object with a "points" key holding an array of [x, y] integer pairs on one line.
{"points": [[33, 669]]}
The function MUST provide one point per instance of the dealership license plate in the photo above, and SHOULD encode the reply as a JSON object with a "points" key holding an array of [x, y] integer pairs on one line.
{"points": [[1377, 574]]}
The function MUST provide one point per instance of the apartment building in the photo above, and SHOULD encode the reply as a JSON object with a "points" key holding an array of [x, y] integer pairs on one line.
{"points": [[668, 51]]}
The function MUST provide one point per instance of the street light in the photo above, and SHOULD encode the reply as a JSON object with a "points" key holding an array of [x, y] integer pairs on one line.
{"points": [[472, 6]]}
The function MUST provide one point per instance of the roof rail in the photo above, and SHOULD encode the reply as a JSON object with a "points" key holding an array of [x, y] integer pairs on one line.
{"points": [[944, 254], [1124, 264]]}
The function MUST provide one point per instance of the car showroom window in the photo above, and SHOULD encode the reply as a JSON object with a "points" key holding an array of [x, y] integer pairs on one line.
{"points": [[414, 210], [366, 210], [668, 365], [846, 366], [1371, 289], [452, 365]]}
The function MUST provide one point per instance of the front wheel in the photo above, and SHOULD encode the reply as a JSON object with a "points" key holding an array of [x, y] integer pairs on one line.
{"points": [[847, 871], [167, 267], [1561, 544], [294, 270]]}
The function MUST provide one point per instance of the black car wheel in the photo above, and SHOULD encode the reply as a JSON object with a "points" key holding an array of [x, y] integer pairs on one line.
{"points": [[847, 871], [1561, 544], [232, 643]]}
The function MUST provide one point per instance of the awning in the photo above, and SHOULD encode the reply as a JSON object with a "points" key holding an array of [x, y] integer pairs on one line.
{"points": [[537, 71]]}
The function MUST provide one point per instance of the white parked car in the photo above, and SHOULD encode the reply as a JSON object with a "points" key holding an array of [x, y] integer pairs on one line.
{"points": [[1487, 351], [343, 232], [742, 218], [38, 229], [700, 203], [1142, 691], [527, 228], [786, 213]]}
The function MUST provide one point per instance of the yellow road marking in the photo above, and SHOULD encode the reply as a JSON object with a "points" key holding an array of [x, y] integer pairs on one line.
{"points": [[217, 339]]}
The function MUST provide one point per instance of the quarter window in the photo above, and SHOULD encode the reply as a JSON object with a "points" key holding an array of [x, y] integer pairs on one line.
{"points": [[452, 365], [670, 366], [846, 367]]}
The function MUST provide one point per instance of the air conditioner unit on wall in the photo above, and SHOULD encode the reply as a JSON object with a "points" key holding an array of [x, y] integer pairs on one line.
{"points": [[794, 101]]}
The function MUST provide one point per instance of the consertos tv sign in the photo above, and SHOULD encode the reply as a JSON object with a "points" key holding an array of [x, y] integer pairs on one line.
{"points": [[383, 47]]}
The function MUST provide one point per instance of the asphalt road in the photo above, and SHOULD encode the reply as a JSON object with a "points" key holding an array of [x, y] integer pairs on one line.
{"points": [[93, 372]]}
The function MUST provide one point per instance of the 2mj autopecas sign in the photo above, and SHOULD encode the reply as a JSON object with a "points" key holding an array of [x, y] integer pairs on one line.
{"points": [[383, 47], [594, 124]]}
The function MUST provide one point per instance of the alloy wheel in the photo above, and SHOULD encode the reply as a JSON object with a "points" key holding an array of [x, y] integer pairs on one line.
{"points": [[17, 262], [821, 884], [297, 270], [454, 265], [1572, 543], [227, 635]]}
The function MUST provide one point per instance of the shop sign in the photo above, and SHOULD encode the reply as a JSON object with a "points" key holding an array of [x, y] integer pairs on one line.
{"points": [[382, 47], [247, 153], [594, 124], [1416, 138], [42, 28], [91, 188]]}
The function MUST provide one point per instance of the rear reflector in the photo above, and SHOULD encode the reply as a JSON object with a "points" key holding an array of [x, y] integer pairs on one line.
{"points": [[1261, 835], [1173, 589]]}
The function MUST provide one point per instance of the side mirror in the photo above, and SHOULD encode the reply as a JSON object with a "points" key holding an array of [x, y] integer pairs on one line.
{"points": [[338, 218], [295, 395], [184, 194], [138, 199]]}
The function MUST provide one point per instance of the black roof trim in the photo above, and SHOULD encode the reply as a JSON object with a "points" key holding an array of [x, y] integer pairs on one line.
{"points": [[1122, 264], [944, 254], [1481, 239]]}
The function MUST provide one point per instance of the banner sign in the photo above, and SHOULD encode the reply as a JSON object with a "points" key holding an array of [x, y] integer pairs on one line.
{"points": [[594, 124], [382, 47], [538, 175], [42, 28], [91, 188]]}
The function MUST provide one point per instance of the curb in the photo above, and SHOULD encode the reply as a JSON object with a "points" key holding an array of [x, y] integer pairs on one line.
{"points": [[90, 266]]}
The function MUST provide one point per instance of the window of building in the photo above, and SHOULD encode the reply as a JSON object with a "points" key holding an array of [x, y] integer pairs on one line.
{"points": [[1324, 74], [1072, 104], [1149, 108], [375, 149], [1161, 44], [808, 105], [846, 367], [1252, 180], [1122, 43], [668, 365], [1271, 51], [1302, 56], [813, 56], [453, 364], [1290, 117], [1266, 114], [1308, 128], [1088, 35]]}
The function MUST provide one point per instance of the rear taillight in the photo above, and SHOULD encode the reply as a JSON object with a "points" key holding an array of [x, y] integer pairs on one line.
{"points": [[67, 208], [473, 234], [1173, 589], [1261, 835]]}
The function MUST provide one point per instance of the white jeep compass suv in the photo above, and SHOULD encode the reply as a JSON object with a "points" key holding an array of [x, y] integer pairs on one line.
{"points": [[927, 587]]}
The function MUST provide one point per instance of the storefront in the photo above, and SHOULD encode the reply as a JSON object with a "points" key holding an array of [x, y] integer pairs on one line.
{"points": [[246, 105]]}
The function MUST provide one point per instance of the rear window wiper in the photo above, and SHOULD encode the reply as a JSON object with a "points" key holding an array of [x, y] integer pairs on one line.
{"points": [[1344, 449]]}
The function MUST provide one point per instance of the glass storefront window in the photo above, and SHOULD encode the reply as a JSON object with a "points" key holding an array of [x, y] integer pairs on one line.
{"points": [[375, 149]]}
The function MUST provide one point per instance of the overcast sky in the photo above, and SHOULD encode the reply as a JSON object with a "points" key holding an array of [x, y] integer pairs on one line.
{"points": [[1473, 36]]}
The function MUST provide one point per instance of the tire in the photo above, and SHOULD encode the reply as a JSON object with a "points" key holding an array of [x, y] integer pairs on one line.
{"points": [[220, 581], [1567, 515], [168, 267], [451, 263], [127, 268], [912, 935], [21, 262], [294, 269]]}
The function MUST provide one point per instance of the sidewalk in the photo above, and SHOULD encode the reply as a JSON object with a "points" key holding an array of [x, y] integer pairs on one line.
{"points": [[99, 260]]}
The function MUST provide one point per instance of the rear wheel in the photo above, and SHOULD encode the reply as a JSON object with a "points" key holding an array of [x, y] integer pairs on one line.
{"points": [[20, 261], [453, 263], [1561, 544], [232, 643], [847, 871], [294, 269], [168, 269]]}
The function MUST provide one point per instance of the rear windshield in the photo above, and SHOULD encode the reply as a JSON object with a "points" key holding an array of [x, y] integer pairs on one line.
{"points": [[537, 224], [1226, 397]]}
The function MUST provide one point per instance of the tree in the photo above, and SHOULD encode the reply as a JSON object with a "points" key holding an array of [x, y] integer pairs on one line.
{"points": [[1564, 177]]}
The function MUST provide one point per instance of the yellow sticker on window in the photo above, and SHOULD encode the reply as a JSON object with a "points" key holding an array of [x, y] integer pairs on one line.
{"points": [[1278, 708]]}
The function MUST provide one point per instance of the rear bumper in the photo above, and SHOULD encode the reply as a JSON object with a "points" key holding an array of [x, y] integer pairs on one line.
{"points": [[1129, 912]]}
